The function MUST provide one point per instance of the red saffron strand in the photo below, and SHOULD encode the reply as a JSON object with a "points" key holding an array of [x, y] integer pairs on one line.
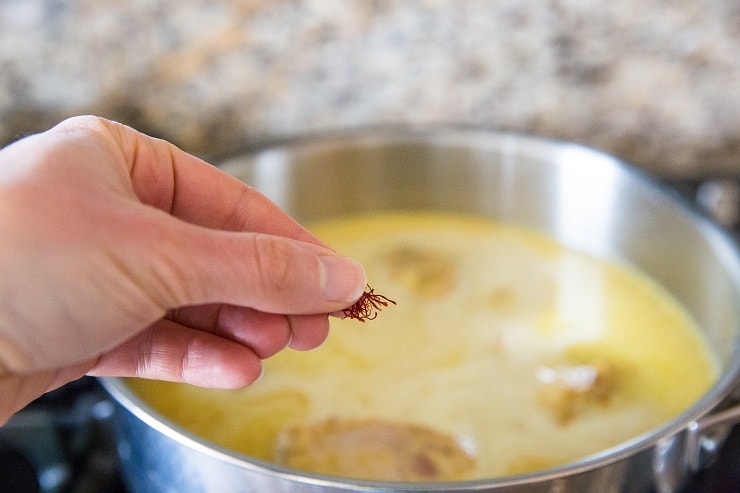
{"points": [[368, 306]]}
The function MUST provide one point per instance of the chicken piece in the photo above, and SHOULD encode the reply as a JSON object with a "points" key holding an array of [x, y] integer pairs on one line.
{"points": [[423, 271], [572, 390], [374, 450]]}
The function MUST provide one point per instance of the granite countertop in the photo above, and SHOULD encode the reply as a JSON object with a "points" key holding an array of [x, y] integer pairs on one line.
{"points": [[654, 82]]}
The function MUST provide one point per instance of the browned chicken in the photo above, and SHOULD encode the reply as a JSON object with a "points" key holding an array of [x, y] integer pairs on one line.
{"points": [[373, 449], [425, 272], [572, 390]]}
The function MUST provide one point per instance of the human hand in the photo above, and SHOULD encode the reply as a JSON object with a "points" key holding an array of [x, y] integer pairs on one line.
{"points": [[123, 255]]}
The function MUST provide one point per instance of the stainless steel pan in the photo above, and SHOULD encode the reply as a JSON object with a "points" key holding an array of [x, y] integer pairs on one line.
{"points": [[581, 197]]}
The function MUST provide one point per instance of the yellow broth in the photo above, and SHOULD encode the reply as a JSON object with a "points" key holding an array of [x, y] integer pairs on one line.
{"points": [[532, 354]]}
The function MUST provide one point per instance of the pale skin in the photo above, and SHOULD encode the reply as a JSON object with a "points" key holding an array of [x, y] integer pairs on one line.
{"points": [[122, 255]]}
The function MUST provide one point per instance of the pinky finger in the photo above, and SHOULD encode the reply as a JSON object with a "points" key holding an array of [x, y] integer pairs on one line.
{"points": [[169, 351]]}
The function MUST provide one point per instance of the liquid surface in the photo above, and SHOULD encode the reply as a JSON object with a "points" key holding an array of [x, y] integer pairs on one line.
{"points": [[529, 354]]}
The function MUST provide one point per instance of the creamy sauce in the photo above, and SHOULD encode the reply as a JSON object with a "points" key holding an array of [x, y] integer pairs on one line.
{"points": [[532, 354]]}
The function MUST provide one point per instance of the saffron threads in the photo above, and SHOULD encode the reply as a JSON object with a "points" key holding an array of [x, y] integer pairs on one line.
{"points": [[368, 306]]}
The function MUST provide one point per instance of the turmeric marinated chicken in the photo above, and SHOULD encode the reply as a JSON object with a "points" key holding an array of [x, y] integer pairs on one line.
{"points": [[373, 449]]}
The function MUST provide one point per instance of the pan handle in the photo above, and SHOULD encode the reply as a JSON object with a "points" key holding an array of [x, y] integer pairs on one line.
{"points": [[705, 436], [681, 456]]}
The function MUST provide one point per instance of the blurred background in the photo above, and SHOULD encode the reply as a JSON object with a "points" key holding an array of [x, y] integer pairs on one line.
{"points": [[654, 82]]}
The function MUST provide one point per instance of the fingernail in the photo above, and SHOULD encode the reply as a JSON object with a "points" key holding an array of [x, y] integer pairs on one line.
{"points": [[259, 377], [343, 279]]}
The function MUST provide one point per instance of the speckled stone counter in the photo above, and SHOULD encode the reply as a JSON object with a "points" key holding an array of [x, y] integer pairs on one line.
{"points": [[654, 82]]}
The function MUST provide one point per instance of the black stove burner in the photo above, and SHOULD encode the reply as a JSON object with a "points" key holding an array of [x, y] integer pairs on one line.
{"points": [[63, 442], [724, 475]]}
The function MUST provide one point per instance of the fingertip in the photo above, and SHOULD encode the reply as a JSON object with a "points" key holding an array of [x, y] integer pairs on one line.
{"points": [[309, 331], [264, 333], [343, 279]]}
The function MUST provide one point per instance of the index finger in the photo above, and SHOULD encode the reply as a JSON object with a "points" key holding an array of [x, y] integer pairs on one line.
{"points": [[189, 188]]}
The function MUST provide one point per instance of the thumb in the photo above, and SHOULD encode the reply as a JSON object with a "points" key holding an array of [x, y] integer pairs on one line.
{"points": [[266, 272]]}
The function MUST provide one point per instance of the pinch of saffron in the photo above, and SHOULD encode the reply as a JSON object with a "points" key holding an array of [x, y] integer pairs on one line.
{"points": [[368, 306]]}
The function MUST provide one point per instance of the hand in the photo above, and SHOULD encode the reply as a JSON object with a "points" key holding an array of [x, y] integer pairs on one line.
{"points": [[123, 255]]}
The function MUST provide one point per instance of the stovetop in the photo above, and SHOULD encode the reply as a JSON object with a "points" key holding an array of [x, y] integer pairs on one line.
{"points": [[64, 443]]}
